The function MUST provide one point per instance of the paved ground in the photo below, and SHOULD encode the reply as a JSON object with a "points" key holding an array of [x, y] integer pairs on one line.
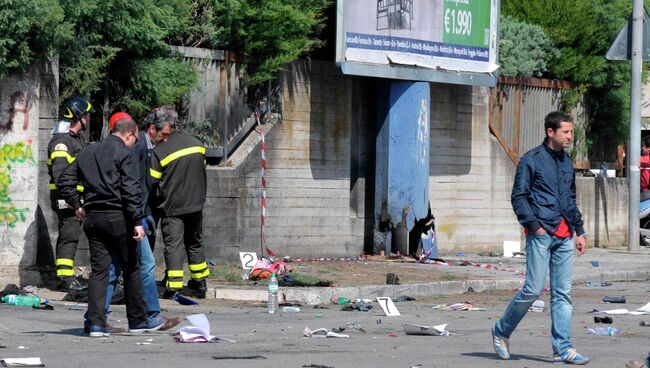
{"points": [[56, 336]]}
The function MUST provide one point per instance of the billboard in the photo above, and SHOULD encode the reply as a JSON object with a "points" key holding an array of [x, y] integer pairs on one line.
{"points": [[439, 36]]}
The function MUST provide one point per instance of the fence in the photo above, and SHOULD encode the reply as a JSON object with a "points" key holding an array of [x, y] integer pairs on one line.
{"points": [[517, 110], [219, 97]]}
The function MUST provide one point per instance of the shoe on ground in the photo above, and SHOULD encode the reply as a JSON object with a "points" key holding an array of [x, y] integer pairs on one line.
{"points": [[635, 364], [571, 356], [170, 294], [194, 293], [98, 331], [170, 323], [151, 324], [501, 345], [110, 328]]}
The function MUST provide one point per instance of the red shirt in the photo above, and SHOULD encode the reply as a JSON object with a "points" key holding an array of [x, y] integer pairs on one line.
{"points": [[561, 232], [644, 163]]}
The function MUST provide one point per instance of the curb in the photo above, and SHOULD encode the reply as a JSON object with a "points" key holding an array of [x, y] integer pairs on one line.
{"points": [[315, 295]]}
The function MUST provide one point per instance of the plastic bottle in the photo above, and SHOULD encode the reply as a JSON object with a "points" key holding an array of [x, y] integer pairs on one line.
{"points": [[273, 294], [291, 309], [604, 331], [22, 300]]}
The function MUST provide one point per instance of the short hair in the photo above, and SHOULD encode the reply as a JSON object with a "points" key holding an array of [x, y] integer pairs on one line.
{"points": [[553, 120], [161, 116], [646, 141], [125, 126]]}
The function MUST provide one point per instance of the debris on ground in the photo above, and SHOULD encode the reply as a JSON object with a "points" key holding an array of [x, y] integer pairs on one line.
{"points": [[22, 362], [404, 298], [357, 307], [606, 320], [322, 332], [239, 357], [439, 330], [352, 325], [392, 279], [538, 306], [466, 306], [614, 299], [198, 331], [592, 284]]}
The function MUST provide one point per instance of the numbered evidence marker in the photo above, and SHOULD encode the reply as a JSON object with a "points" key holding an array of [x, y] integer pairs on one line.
{"points": [[388, 306], [248, 259]]}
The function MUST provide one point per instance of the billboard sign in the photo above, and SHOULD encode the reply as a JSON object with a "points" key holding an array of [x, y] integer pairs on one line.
{"points": [[439, 36]]}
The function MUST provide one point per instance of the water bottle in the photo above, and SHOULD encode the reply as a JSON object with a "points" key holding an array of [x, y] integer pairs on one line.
{"points": [[273, 294], [22, 300], [291, 309], [604, 331]]}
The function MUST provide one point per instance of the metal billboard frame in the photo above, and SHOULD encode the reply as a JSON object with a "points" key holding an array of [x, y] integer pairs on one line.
{"points": [[404, 72]]}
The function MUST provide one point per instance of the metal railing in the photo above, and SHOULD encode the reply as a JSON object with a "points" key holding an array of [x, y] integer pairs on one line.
{"points": [[517, 110]]}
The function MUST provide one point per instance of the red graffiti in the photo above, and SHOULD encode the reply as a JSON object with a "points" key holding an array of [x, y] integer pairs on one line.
{"points": [[19, 105]]}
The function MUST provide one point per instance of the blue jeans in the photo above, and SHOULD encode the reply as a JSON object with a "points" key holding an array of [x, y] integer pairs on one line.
{"points": [[543, 253], [147, 273]]}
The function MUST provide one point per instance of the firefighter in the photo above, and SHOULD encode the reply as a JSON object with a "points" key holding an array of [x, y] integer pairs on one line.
{"points": [[179, 184], [65, 144]]}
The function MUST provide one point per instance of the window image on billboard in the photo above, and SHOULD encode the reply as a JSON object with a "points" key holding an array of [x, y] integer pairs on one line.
{"points": [[458, 35]]}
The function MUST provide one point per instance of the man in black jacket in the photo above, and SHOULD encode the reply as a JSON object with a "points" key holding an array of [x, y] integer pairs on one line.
{"points": [[544, 200], [112, 206], [179, 183]]}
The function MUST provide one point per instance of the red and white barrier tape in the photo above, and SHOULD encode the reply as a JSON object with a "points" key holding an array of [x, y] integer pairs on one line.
{"points": [[264, 203]]}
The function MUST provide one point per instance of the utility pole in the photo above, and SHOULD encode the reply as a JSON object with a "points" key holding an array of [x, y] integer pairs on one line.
{"points": [[634, 145]]}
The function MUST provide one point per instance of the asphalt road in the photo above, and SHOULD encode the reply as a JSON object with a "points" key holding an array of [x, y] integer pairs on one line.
{"points": [[56, 336]]}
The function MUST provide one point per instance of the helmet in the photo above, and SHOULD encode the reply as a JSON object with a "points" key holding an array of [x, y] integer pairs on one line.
{"points": [[75, 107], [117, 117]]}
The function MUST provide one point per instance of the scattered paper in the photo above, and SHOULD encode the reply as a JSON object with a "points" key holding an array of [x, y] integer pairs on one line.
{"points": [[645, 308], [322, 332], [22, 362], [439, 330], [510, 248], [199, 331], [538, 306], [458, 307]]}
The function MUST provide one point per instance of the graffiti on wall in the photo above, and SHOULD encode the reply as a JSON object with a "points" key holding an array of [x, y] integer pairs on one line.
{"points": [[18, 112], [12, 154]]}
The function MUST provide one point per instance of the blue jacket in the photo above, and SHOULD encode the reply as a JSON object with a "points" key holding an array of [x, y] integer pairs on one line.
{"points": [[545, 191]]}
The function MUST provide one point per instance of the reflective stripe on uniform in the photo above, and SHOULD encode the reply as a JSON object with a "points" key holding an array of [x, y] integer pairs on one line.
{"points": [[64, 272], [180, 153], [155, 174], [61, 154], [52, 186], [174, 273], [198, 267], [200, 274], [174, 284], [64, 262], [80, 188]]}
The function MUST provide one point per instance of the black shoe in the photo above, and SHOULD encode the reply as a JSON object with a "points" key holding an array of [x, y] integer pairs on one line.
{"points": [[71, 284], [169, 294], [197, 288], [194, 293]]}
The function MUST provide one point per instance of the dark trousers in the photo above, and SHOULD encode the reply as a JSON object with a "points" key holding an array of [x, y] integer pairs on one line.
{"points": [[182, 235], [66, 243], [109, 236]]}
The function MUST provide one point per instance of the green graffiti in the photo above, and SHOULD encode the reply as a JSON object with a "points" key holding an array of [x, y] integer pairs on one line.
{"points": [[17, 153], [11, 215]]}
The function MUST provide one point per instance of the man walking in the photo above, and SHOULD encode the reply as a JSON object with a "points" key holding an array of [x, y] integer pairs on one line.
{"points": [[544, 200], [65, 144], [179, 182], [113, 206]]}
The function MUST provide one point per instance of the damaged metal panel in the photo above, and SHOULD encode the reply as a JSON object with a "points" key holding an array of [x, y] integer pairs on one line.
{"points": [[402, 175]]}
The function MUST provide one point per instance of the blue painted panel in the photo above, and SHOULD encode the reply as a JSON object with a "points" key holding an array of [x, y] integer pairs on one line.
{"points": [[403, 152]]}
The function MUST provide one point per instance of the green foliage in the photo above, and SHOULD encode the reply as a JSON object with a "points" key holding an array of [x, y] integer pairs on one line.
{"points": [[583, 30], [203, 131], [270, 33], [524, 49], [125, 42], [29, 30]]}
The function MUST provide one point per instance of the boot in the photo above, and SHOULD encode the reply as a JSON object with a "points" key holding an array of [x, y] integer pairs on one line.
{"points": [[70, 285], [197, 288]]}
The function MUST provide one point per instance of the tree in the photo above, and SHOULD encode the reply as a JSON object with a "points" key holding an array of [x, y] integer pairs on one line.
{"points": [[270, 33], [524, 49], [30, 30]]}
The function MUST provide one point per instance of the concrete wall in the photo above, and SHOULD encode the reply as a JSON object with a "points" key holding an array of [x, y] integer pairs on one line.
{"points": [[604, 206], [19, 174], [470, 174]]}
